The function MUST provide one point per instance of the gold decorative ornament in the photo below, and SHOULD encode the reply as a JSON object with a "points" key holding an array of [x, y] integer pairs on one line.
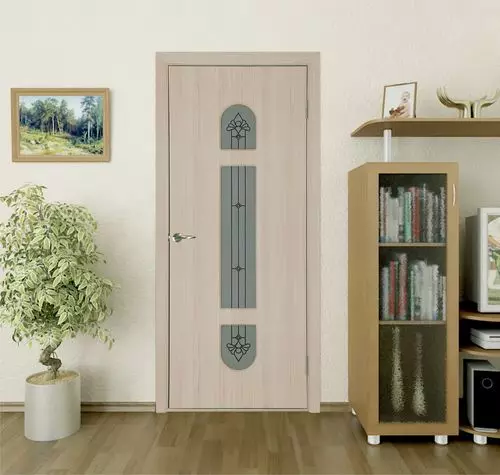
{"points": [[467, 108]]}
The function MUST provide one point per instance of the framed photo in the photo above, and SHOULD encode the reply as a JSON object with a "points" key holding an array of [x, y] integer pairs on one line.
{"points": [[399, 101], [60, 125]]}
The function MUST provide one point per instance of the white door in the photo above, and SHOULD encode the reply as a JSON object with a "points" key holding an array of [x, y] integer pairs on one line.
{"points": [[238, 290]]}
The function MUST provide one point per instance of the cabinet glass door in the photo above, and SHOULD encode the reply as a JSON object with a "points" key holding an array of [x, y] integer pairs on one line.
{"points": [[412, 297]]}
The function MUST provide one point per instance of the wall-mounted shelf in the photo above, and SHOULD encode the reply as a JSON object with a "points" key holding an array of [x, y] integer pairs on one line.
{"points": [[429, 127], [478, 351]]}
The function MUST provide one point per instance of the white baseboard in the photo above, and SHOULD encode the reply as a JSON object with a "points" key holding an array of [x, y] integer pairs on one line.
{"points": [[149, 407], [92, 407], [335, 407]]}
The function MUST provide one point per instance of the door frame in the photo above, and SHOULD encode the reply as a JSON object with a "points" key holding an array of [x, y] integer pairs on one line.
{"points": [[311, 60]]}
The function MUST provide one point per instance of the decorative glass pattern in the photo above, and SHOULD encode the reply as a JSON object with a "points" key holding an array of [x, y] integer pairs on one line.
{"points": [[412, 373], [238, 345], [238, 236], [238, 128]]}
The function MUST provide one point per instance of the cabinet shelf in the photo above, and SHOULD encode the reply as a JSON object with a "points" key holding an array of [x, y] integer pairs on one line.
{"points": [[430, 127], [470, 430], [481, 317], [412, 322], [468, 312], [478, 351], [411, 244]]}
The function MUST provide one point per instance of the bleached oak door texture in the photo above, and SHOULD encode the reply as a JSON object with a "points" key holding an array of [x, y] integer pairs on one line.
{"points": [[238, 300]]}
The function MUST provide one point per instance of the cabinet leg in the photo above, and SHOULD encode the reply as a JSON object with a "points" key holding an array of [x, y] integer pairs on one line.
{"points": [[353, 411], [441, 439], [374, 439], [480, 439]]}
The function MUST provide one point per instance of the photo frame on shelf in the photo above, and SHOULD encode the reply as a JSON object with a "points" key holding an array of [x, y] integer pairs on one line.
{"points": [[400, 101], [60, 125]]}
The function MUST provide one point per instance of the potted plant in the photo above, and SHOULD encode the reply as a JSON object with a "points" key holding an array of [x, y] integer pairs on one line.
{"points": [[49, 293]]}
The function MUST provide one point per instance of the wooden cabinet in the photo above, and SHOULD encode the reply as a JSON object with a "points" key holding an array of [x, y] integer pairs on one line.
{"points": [[403, 298], [470, 318]]}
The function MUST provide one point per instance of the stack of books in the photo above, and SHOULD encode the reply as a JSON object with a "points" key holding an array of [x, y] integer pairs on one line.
{"points": [[413, 290], [415, 214]]}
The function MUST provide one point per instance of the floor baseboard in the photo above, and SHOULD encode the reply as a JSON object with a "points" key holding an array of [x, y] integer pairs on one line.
{"points": [[148, 407], [92, 407], [335, 407]]}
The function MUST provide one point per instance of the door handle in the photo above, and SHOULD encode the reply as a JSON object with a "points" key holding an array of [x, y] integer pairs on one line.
{"points": [[177, 237]]}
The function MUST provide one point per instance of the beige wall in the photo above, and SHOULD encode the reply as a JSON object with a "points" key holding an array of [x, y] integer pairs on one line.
{"points": [[112, 43]]}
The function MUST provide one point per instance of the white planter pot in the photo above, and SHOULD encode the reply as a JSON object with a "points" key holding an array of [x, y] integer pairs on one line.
{"points": [[52, 409]]}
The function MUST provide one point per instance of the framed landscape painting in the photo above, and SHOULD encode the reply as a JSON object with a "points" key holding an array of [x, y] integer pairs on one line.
{"points": [[60, 125]]}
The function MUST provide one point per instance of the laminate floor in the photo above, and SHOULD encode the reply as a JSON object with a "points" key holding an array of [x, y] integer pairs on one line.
{"points": [[233, 443]]}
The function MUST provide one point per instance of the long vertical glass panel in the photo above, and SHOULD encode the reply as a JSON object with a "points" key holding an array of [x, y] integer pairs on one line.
{"points": [[238, 276]]}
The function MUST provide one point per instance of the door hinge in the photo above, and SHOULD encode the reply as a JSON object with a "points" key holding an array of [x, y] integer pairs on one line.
{"points": [[307, 109], [307, 365]]}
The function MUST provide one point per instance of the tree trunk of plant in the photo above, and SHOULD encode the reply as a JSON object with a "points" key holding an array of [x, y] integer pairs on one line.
{"points": [[46, 359]]}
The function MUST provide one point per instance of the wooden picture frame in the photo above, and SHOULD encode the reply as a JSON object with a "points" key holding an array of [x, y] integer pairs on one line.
{"points": [[50, 125], [398, 88]]}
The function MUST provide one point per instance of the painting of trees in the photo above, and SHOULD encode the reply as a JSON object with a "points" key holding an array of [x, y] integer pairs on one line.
{"points": [[61, 125]]}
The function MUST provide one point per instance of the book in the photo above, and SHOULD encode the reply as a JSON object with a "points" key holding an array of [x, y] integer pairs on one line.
{"points": [[392, 290], [402, 287], [381, 214], [384, 293], [442, 215], [412, 214], [412, 290], [401, 214]]}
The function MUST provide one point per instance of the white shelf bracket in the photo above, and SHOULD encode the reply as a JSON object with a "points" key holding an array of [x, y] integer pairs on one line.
{"points": [[387, 145]]}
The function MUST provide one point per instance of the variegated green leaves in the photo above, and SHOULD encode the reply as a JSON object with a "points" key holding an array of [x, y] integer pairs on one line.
{"points": [[49, 291]]}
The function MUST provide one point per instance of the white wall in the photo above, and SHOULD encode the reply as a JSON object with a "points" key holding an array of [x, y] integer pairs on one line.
{"points": [[112, 43]]}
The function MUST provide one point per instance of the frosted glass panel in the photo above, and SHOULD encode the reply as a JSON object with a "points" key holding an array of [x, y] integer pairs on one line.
{"points": [[238, 273], [238, 345], [238, 128], [412, 373]]}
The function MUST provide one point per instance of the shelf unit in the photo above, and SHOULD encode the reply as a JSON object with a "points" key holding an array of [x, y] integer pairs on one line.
{"points": [[426, 127], [468, 316], [373, 342], [430, 127]]}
